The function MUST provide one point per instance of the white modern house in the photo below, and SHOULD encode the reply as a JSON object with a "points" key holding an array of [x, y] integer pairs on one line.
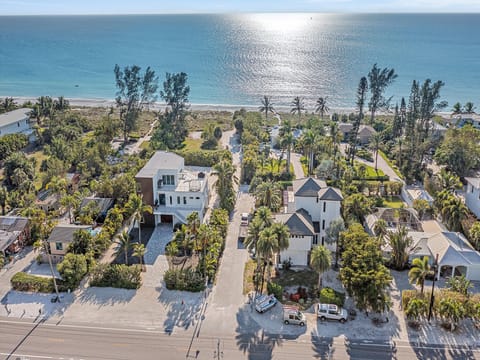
{"points": [[311, 207], [16, 122], [472, 195], [172, 190], [410, 193]]}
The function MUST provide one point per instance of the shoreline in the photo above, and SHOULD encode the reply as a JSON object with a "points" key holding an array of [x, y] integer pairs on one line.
{"points": [[106, 103]]}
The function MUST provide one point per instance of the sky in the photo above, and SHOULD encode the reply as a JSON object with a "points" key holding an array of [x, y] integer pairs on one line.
{"points": [[61, 7]]}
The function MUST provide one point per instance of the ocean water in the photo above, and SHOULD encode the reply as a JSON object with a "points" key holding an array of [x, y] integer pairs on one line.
{"points": [[237, 58]]}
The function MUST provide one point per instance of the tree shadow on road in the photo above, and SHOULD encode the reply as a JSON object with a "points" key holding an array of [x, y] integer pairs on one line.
{"points": [[105, 296], [322, 346], [253, 340], [182, 308]]}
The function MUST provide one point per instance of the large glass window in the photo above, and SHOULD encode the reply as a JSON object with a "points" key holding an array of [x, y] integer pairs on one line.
{"points": [[168, 179]]}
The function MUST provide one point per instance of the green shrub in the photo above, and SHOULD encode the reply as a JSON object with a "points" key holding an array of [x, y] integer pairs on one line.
{"points": [[407, 296], [202, 158], [276, 290], [117, 276], [364, 154], [184, 279], [25, 282], [330, 296]]}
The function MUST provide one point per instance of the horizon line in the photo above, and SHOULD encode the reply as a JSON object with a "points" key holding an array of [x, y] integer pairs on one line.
{"points": [[256, 12]]}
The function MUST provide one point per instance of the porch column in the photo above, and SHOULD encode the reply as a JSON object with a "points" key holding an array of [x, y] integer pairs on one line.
{"points": [[453, 271]]}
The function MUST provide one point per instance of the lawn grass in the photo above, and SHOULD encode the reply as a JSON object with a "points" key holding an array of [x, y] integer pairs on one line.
{"points": [[393, 202], [145, 145], [304, 162], [387, 160], [370, 170], [248, 286], [195, 145], [196, 120]]}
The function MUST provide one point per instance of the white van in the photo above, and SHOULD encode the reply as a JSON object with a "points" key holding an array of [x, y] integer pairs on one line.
{"points": [[291, 315]]}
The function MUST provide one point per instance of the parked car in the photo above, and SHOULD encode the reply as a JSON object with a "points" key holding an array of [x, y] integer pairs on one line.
{"points": [[244, 219], [331, 312], [291, 315], [265, 304]]}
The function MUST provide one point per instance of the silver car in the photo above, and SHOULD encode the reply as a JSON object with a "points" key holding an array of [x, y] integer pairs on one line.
{"points": [[331, 312]]}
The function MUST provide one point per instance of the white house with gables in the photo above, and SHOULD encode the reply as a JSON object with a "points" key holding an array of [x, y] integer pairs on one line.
{"points": [[171, 189], [301, 237], [311, 207]]}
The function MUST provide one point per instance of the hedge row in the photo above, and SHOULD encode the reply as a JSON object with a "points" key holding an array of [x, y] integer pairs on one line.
{"points": [[25, 282], [117, 276], [184, 279], [202, 158]]}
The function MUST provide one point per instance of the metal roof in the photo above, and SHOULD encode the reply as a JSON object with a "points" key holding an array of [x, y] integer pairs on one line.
{"points": [[12, 117]]}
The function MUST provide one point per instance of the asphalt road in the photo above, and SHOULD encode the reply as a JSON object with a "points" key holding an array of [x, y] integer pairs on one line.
{"points": [[27, 340]]}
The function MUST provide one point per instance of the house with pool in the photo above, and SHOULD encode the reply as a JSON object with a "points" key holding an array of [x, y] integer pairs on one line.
{"points": [[173, 190]]}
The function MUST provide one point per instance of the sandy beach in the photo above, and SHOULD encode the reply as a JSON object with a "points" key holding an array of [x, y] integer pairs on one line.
{"points": [[199, 107]]}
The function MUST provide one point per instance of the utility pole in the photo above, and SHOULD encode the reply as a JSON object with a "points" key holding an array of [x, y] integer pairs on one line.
{"points": [[218, 354], [432, 297], [47, 250]]}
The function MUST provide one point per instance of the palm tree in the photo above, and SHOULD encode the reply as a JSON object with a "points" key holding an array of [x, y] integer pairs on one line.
{"points": [[61, 104], [308, 141], [287, 140], [269, 194], [322, 107], [416, 308], [58, 185], [419, 271], [448, 180], [266, 107], [124, 245], [264, 215], [8, 104], [267, 246], [375, 143], [401, 245], [224, 185], [298, 106], [193, 224], [320, 261], [457, 108], [469, 107], [380, 229], [137, 208], [70, 201], [139, 251], [454, 211], [3, 199], [181, 238]]}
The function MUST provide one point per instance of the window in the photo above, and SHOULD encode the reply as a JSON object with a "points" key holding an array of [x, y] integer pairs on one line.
{"points": [[161, 199], [178, 200], [323, 240], [191, 197], [184, 200], [315, 239], [58, 246], [170, 200], [324, 206], [18, 124], [198, 198], [168, 179], [323, 224]]}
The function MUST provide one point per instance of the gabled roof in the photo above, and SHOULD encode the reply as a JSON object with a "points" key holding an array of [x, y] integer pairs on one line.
{"points": [[161, 160], [475, 182], [14, 116], [366, 129], [103, 204], [64, 233], [330, 194], [308, 187], [298, 223]]}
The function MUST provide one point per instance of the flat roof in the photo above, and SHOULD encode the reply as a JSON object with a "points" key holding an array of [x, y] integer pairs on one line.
{"points": [[161, 160], [14, 116]]}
